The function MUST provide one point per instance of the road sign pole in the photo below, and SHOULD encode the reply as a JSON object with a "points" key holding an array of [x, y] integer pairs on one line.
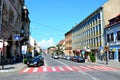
{"points": [[107, 57]]}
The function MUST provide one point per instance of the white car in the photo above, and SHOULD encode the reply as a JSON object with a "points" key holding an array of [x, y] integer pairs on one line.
{"points": [[55, 56]]}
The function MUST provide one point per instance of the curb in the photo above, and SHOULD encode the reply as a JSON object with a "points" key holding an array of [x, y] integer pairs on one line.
{"points": [[19, 67], [102, 63], [7, 71]]}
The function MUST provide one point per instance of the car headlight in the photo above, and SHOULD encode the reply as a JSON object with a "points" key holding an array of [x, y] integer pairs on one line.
{"points": [[35, 62]]}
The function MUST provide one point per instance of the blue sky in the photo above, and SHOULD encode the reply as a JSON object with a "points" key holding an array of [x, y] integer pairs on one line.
{"points": [[51, 19]]}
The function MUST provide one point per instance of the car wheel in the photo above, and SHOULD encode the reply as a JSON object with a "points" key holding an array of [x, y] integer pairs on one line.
{"points": [[38, 64]]}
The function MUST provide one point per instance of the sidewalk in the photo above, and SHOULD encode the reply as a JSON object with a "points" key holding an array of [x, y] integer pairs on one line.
{"points": [[111, 63], [12, 67]]}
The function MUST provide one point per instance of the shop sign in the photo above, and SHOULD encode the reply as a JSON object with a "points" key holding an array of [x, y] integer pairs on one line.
{"points": [[1, 44], [24, 49]]}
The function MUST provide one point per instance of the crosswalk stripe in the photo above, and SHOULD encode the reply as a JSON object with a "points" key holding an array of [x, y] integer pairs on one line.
{"points": [[107, 68], [66, 68], [69, 68], [99, 68], [77, 68], [53, 68], [61, 68], [84, 68], [35, 70], [92, 68], [44, 69], [27, 69]]}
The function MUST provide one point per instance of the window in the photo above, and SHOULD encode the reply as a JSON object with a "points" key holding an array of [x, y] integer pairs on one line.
{"points": [[0, 3], [108, 38], [94, 31], [118, 35], [112, 37]]}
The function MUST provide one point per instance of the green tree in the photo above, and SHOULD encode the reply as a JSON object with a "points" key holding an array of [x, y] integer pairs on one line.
{"points": [[59, 50]]}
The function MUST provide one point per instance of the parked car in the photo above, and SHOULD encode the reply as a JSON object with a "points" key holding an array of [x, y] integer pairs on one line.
{"points": [[68, 57], [72, 58], [55, 56], [79, 59], [36, 61]]}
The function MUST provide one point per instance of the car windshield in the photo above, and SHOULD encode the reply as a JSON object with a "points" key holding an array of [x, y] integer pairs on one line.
{"points": [[35, 58]]}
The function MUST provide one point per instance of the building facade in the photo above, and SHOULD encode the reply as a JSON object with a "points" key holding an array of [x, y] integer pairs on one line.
{"points": [[112, 31], [90, 33], [111, 8], [11, 23], [68, 43], [60, 47]]}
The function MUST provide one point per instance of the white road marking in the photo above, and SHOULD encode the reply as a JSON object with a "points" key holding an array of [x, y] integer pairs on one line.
{"points": [[86, 74], [62, 63], [84, 67], [35, 70], [77, 68], [44, 69], [27, 69], [69, 68], [61, 68], [53, 68]]}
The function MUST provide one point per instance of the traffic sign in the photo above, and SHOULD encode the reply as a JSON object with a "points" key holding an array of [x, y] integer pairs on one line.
{"points": [[24, 49], [17, 37], [101, 47], [1, 44]]}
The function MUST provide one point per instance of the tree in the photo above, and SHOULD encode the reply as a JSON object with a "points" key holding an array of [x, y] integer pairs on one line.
{"points": [[59, 50]]}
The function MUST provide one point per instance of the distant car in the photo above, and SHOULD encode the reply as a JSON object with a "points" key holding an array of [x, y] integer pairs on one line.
{"points": [[68, 57], [55, 56], [36, 61], [72, 58]]}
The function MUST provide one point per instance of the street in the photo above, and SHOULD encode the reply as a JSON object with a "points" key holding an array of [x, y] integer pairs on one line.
{"points": [[60, 69]]}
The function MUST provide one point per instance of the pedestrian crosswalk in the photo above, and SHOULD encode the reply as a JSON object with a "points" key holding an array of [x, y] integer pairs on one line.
{"points": [[66, 68]]}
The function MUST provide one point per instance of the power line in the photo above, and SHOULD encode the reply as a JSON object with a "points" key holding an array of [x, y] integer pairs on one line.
{"points": [[50, 27]]}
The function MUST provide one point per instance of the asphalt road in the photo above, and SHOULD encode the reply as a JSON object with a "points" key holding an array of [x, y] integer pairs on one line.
{"points": [[64, 70]]}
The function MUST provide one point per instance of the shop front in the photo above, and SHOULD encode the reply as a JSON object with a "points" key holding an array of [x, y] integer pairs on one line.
{"points": [[114, 53]]}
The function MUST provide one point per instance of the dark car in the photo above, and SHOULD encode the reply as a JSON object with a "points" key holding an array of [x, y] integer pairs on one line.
{"points": [[79, 59], [36, 61], [72, 58]]}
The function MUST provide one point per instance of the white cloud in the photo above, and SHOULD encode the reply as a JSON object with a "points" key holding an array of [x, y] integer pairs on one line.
{"points": [[44, 44]]}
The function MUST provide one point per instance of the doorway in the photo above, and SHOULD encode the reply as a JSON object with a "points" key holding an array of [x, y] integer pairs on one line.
{"points": [[119, 55]]}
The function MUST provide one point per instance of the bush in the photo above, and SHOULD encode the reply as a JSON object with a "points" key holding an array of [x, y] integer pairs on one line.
{"points": [[25, 60], [92, 57]]}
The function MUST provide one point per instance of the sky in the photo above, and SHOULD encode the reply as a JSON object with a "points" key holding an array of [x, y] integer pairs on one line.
{"points": [[51, 19]]}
